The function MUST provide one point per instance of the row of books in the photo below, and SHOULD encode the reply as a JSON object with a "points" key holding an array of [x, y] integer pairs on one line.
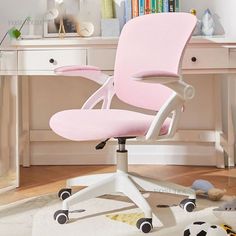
{"points": [[134, 8]]}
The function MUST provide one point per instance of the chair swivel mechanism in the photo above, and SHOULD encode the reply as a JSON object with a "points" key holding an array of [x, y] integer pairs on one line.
{"points": [[146, 75]]}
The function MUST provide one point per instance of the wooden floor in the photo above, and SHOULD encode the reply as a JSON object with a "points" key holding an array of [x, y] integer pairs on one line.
{"points": [[40, 180]]}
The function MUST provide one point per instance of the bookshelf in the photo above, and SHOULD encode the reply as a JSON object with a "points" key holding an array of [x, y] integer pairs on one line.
{"points": [[134, 8]]}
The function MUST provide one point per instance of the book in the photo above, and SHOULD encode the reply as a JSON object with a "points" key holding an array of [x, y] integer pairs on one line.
{"points": [[159, 6], [147, 6], [119, 11], [165, 5], [141, 7], [135, 8], [171, 5], [177, 5], [107, 9], [128, 10], [153, 6]]}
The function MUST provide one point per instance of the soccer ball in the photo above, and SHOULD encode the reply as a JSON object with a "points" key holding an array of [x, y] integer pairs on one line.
{"points": [[216, 230], [200, 228]]}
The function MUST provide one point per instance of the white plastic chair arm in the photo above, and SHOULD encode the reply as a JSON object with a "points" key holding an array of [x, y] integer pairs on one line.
{"points": [[105, 93], [170, 80], [89, 72], [173, 105]]}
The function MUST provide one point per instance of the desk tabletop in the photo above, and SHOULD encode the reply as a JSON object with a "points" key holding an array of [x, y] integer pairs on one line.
{"points": [[75, 41]]}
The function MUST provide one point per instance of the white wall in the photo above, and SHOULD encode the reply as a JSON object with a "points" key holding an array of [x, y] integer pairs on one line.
{"points": [[14, 11]]}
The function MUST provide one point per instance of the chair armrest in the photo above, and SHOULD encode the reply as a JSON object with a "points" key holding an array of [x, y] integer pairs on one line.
{"points": [[89, 72], [173, 106], [171, 80], [105, 93]]}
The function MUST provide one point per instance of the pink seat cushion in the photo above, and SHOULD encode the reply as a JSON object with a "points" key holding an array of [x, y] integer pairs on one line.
{"points": [[85, 125]]}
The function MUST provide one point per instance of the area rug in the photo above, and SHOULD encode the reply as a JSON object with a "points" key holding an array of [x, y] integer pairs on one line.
{"points": [[105, 216]]}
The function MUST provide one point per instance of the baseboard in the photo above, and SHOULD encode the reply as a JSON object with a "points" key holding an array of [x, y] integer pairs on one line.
{"points": [[138, 154]]}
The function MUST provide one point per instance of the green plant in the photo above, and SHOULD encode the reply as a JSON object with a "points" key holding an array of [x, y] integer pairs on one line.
{"points": [[13, 32]]}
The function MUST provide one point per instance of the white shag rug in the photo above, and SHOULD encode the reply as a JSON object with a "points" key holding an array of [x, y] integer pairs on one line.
{"points": [[35, 216]]}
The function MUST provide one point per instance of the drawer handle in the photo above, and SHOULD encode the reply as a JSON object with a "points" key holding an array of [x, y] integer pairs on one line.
{"points": [[193, 59], [51, 60]]}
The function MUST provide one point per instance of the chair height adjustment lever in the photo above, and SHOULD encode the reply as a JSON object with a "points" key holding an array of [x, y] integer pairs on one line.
{"points": [[101, 145]]}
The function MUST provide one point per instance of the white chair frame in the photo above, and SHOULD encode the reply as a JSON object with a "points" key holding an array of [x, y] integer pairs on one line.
{"points": [[122, 181]]}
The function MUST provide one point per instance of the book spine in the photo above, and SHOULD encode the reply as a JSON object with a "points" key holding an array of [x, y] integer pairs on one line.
{"points": [[107, 9], [153, 6], [147, 6], [141, 7], [159, 6], [177, 5], [165, 5], [135, 8], [171, 5], [128, 10]]}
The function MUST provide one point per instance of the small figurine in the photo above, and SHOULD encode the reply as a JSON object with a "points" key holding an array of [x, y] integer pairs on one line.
{"points": [[208, 24], [205, 188]]}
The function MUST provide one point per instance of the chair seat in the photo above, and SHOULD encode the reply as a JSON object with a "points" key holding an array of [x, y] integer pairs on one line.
{"points": [[88, 125]]}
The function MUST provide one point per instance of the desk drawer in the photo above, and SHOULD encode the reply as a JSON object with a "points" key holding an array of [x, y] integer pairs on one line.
{"points": [[205, 58], [104, 58], [48, 60], [8, 61]]}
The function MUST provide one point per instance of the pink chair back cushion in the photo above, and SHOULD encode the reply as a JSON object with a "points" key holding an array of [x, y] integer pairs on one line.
{"points": [[152, 42]]}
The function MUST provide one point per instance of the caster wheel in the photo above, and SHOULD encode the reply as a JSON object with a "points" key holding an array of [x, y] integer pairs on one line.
{"points": [[188, 204], [144, 224], [61, 216], [64, 193]]}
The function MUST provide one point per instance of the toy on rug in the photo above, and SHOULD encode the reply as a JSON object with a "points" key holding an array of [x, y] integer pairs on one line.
{"points": [[205, 188], [201, 228], [129, 218], [226, 212], [229, 230], [229, 205]]}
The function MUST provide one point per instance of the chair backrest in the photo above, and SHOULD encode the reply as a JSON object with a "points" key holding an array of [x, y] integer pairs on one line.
{"points": [[153, 42]]}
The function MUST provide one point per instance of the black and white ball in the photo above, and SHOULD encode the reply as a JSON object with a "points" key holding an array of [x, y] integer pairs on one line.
{"points": [[198, 228], [201, 228]]}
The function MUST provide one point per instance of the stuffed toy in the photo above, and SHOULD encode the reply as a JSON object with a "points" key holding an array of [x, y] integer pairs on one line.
{"points": [[205, 188]]}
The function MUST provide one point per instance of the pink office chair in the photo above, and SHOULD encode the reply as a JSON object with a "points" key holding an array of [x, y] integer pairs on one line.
{"points": [[146, 75]]}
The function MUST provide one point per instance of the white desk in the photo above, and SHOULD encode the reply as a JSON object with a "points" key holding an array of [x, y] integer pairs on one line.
{"points": [[215, 56]]}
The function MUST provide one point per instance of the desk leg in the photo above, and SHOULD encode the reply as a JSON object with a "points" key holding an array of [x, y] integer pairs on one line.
{"points": [[25, 121], [5, 116], [220, 163], [9, 133], [230, 125]]}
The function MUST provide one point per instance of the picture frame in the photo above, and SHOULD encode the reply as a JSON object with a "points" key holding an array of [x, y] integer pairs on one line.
{"points": [[61, 18]]}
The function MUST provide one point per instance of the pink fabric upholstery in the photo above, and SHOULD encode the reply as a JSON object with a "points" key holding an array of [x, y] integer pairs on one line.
{"points": [[153, 73], [149, 43], [152, 43], [89, 72], [84, 125], [75, 68]]}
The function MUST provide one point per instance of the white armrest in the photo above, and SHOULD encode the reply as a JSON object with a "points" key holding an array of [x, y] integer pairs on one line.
{"points": [[89, 72], [170, 80], [105, 93], [172, 106]]}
